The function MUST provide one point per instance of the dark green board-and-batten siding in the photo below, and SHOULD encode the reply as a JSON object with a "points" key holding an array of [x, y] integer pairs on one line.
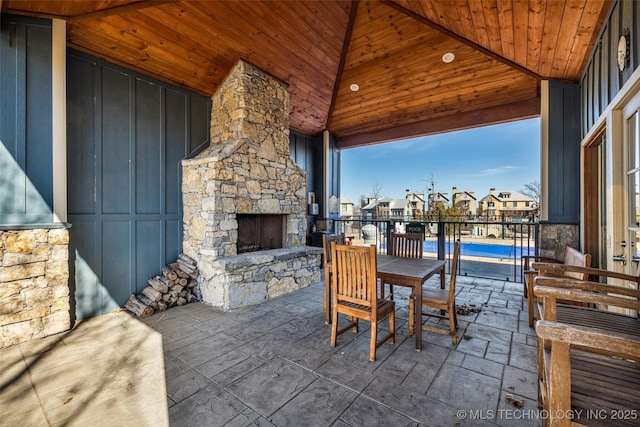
{"points": [[602, 79], [127, 135], [26, 185]]}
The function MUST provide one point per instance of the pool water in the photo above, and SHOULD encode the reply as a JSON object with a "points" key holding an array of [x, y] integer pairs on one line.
{"points": [[480, 249]]}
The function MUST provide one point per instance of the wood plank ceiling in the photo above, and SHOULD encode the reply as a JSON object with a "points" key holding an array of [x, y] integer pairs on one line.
{"points": [[391, 49]]}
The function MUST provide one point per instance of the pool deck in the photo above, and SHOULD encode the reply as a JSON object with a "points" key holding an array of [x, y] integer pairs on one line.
{"points": [[271, 365]]}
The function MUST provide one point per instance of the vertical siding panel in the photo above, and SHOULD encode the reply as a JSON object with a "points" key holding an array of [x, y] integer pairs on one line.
{"points": [[117, 263], [597, 109], [148, 254], [307, 152], [115, 142], [584, 105], [10, 87], [564, 148], [635, 38], [175, 143], [148, 170], [301, 154], [173, 240], [605, 77], [141, 131], [590, 97], [84, 238], [571, 166], [626, 23], [26, 167], [39, 137], [81, 148], [199, 113], [604, 69], [614, 34]]}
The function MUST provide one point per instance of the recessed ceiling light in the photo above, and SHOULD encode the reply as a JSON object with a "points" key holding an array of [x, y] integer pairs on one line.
{"points": [[354, 87], [448, 57]]}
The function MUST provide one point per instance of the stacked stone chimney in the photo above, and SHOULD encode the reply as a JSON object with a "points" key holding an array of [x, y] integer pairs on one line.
{"points": [[247, 169]]}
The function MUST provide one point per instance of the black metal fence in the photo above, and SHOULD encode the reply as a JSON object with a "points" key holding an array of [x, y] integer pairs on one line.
{"points": [[489, 249]]}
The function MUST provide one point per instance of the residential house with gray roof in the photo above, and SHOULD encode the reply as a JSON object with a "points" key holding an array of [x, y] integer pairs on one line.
{"points": [[506, 204]]}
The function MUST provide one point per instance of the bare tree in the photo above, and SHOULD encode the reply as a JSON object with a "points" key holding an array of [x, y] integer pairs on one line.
{"points": [[532, 190], [433, 182], [375, 190], [375, 194], [431, 192]]}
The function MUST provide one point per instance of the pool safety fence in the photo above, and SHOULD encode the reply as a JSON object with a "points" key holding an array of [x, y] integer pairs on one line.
{"points": [[489, 249]]}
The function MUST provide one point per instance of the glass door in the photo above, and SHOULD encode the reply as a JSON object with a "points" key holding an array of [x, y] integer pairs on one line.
{"points": [[632, 136]]}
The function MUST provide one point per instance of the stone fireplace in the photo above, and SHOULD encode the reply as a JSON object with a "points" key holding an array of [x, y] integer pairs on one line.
{"points": [[246, 178]]}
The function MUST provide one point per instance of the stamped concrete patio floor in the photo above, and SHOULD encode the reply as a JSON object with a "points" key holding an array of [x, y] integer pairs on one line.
{"points": [[271, 364]]}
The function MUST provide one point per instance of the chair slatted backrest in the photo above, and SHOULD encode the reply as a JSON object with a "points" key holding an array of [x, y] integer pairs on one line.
{"points": [[354, 274], [406, 245], [577, 258], [326, 245]]}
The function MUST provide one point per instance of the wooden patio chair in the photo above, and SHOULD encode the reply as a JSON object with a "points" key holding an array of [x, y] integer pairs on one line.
{"points": [[440, 299], [588, 354], [406, 245], [355, 293], [326, 242], [572, 257]]}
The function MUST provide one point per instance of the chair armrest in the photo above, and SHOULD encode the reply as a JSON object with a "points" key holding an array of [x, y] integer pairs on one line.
{"points": [[537, 258], [540, 258], [546, 266], [601, 288], [561, 269], [555, 376], [602, 342], [550, 295]]}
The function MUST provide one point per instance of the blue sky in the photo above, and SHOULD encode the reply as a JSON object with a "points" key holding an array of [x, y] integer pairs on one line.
{"points": [[506, 157]]}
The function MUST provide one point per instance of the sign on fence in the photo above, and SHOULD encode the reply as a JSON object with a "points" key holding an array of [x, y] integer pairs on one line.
{"points": [[415, 228]]}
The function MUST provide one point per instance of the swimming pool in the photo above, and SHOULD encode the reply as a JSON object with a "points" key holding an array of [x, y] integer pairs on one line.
{"points": [[480, 249]]}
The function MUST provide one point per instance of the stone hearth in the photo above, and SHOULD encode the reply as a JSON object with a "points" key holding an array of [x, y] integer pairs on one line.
{"points": [[247, 169]]}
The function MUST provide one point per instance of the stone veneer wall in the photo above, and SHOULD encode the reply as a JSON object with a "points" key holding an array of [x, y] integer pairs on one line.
{"points": [[247, 169], [34, 284], [252, 277], [554, 238]]}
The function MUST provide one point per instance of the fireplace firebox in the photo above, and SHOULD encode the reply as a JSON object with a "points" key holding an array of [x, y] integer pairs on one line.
{"points": [[258, 232]]}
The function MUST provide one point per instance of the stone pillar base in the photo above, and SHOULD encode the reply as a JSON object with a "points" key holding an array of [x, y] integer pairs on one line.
{"points": [[555, 237], [34, 284]]}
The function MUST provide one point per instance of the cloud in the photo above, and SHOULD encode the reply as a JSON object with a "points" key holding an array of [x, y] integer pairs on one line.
{"points": [[497, 171]]}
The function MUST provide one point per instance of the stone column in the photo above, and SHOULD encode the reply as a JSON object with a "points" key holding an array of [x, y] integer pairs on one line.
{"points": [[34, 284]]}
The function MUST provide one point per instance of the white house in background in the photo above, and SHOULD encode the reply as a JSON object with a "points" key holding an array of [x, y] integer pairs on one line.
{"points": [[387, 208], [416, 203], [400, 209], [346, 207], [506, 204], [465, 201], [437, 197]]}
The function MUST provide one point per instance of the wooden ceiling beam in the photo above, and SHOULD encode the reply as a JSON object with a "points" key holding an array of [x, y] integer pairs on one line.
{"points": [[131, 7], [343, 59], [461, 39], [14, 11], [482, 117]]}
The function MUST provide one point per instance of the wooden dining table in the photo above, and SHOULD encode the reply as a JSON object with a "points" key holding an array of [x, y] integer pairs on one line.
{"points": [[412, 273]]}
